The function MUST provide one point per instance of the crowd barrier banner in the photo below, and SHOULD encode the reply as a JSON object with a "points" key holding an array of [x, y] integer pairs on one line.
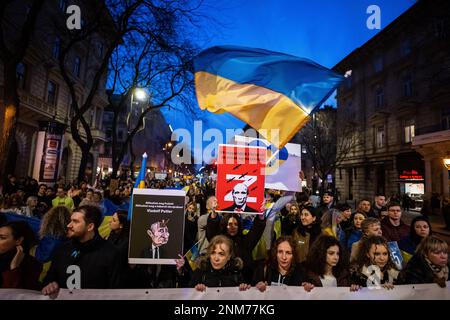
{"points": [[403, 292]]}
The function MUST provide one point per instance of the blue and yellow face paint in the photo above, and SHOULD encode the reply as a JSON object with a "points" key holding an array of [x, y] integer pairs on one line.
{"points": [[272, 92]]}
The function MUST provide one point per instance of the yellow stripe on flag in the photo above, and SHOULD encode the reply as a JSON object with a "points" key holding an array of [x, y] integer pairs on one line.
{"points": [[262, 108]]}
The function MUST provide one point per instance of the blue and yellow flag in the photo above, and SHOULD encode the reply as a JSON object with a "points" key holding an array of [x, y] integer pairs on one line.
{"points": [[266, 89], [140, 182], [192, 255]]}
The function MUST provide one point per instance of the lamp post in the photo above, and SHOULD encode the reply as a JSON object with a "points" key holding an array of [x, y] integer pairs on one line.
{"points": [[137, 95]]}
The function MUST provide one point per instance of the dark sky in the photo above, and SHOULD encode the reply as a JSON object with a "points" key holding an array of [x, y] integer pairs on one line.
{"points": [[324, 31]]}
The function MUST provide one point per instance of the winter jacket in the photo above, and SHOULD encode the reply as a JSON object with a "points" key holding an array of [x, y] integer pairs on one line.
{"points": [[99, 263], [229, 276], [394, 233], [273, 277], [243, 244], [418, 271], [26, 276]]}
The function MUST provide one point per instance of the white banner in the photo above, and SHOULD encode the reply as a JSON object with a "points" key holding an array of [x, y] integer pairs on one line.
{"points": [[403, 292]]}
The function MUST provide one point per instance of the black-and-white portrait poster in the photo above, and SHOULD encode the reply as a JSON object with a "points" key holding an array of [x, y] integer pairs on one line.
{"points": [[157, 226]]}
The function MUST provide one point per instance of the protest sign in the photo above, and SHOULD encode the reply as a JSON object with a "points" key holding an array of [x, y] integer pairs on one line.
{"points": [[240, 178], [157, 226]]}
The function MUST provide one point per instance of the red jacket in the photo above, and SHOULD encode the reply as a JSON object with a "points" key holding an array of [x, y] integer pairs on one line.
{"points": [[394, 233], [26, 276]]}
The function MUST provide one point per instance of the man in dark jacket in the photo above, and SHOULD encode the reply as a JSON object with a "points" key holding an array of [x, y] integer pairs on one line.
{"points": [[327, 204], [96, 258]]}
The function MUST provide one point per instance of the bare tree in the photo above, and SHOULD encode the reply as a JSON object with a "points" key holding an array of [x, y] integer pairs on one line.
{"points": [[12, 52], [328, 144], [158, 59]]}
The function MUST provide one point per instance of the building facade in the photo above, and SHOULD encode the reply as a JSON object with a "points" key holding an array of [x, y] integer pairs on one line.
{"points": [[152, 139], [398, 97], [44, 95]]}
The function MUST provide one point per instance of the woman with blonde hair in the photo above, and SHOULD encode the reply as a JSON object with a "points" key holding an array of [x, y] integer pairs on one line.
{"points": [[429, 264], [220, 267]]}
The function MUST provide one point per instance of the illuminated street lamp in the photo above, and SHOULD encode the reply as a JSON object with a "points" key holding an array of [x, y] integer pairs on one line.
{"points": [[447, 162], [140, 94]]}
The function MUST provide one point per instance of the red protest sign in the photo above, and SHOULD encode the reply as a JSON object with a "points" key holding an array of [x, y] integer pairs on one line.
{"points": [[240, 178]]}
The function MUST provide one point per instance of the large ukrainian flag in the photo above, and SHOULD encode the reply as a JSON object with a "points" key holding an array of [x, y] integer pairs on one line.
{"points": [[268, 90]]}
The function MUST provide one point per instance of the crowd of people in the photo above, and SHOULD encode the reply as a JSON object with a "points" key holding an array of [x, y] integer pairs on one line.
{"points": [[294, 242]]}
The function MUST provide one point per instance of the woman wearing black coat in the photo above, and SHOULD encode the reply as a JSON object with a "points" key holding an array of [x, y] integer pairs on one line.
{"points": [[220, 267], [230, 225], [429, 264], [281, 268]]}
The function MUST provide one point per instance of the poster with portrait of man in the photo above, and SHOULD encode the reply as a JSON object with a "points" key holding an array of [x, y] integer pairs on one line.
{"points": [[157, 226], [240, 178]]}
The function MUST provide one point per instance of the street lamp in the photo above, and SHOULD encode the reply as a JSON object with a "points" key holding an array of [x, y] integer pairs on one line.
{"points": [[140, 94], [447, 162]]}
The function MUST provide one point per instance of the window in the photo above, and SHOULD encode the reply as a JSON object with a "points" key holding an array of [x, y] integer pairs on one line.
{"points": [[98, 120], [348, 82], [379, 97], [405, 47], [407, 86], [52, 89], [445, 118], [378, 64], [100, 49], [20, 75], [408, 130], [380, 137], [77, 66], [63, 5], [439, 28], [56, 47]]}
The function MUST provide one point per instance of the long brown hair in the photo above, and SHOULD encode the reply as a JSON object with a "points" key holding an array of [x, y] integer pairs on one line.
{"points": [[274, 260]]}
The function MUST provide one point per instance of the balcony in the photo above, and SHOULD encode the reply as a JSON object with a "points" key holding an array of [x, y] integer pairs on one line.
{"points": [[431, 134], [98, 134], [428, 129]]}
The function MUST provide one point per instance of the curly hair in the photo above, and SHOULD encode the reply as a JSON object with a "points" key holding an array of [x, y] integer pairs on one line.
{"points": [[316, 261], [54, 222], [273, 255], [363, 259]]}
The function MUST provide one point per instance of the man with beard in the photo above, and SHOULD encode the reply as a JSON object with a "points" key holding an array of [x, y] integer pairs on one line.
{"points": [[96, 258]]}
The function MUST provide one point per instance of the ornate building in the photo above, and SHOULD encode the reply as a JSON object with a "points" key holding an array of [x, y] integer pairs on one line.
{"points": [[399, 98], [44, 95]]}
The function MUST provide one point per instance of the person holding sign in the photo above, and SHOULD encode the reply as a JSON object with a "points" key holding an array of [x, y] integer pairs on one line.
{"points": [[374, 267], [429, 265], [281, 269], [327, 264], [220, 267], [230, 225]]}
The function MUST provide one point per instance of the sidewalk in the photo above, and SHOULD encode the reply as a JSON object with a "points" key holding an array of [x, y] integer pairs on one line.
{"points": [[436, 221]]}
